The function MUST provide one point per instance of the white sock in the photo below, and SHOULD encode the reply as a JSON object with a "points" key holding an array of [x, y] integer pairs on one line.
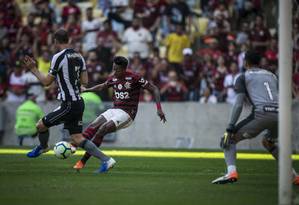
{"points": [[231, 168]]}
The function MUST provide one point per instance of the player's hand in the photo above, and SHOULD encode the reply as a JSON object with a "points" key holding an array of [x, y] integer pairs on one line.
{"points": [[161, 115], [29, 63], [83, 89], [226, 140]]}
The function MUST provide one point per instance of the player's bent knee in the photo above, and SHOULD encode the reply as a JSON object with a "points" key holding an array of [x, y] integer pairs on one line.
{"points": [[101, 131], [98, 122], [41, 127]]}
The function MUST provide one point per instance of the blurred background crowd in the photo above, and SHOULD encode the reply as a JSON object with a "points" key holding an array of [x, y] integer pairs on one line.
{"points": [[191, 49]]}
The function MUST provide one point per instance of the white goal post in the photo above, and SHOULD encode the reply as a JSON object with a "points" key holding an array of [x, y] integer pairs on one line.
{"points": [[285, 102]]}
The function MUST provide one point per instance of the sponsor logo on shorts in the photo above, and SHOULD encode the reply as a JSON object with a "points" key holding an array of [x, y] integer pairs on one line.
{"points": [[80, 123]]}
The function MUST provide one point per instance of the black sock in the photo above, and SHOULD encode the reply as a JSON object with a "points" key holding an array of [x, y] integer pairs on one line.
{"points": [[85, 157], [44, 138]]}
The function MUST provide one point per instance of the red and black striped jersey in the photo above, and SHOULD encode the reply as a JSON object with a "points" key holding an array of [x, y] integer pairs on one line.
{"points": [[126, 91]]}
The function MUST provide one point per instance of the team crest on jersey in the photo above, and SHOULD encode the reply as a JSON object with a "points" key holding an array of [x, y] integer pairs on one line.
{"points": [[127, 85], [120, 86], [114, 79], [128, 78]]}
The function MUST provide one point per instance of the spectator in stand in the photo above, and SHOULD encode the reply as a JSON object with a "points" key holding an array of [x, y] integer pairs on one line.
{"points": [[138, 39], [17, 86], [243, 34], [120, 15], [244, 48], [43, 9], [24, 47], [221, 10], [211, 48], [43, 60], [174, 90], [272, 52], [149, 11], [178, 13], [259, 35], [139, 66], [175, 44], [190, 72], [159, 73], [34, 86], [44, 32], [229, 83], [209, 68], [90, 28], [73, 28], [218, 79], [3, 30], [142, 68], [10, 14], [108, 38], [219, 28], [29, 29], [231, 55], [70, 9], [96, 71], [208, 97]]}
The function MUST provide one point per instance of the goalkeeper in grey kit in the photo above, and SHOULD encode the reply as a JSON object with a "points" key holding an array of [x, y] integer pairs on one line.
{"points": [[260, 88]]}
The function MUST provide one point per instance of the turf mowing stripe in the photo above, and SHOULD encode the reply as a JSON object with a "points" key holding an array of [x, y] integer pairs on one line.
{"points": [[161, 154]]}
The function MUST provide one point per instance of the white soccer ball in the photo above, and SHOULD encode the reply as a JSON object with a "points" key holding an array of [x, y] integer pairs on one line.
{"points": [[63, 150]]}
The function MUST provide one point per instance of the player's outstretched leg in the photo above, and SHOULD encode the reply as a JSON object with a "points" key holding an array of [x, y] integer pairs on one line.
{"points": [[43, 137], [81, 163], [106, 128], [91, 148], [89, 134], [230, 159]]}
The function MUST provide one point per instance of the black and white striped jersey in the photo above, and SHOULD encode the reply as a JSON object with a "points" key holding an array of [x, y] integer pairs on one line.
{"points": [[66, 67]]}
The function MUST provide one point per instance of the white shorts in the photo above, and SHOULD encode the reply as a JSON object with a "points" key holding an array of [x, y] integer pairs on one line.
{"points": [[120, 118]]}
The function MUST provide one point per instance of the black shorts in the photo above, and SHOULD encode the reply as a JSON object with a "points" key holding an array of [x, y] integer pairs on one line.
{"points": [[256, 123], [69, 113]]}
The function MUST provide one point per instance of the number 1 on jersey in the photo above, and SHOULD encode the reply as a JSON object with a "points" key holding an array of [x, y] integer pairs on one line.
{"points": [[266, 84]]}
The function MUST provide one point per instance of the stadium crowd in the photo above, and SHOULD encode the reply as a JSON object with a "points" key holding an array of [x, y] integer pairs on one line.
{"points": [[192, 49]]}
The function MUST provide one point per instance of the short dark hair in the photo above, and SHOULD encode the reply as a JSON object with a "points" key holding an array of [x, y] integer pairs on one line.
{"points": [[61, 36], [252, 58], [121, 61]]}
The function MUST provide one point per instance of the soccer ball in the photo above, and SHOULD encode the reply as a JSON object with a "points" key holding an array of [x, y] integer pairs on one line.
{"points": [[63, 150]]}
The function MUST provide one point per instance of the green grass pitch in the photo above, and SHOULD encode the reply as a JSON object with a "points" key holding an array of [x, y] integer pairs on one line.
{"points": [[147, 181]]}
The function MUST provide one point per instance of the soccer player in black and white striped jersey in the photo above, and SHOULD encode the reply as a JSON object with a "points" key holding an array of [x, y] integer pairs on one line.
{"points": [[69, 71]]}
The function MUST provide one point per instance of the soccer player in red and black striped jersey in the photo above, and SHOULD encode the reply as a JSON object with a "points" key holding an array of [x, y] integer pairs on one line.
{"points": [[126, 90]]}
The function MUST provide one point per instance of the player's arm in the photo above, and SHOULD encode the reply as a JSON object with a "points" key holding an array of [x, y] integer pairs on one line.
{"points": [[84, 78], [240, 89], [236, 111], [98, 87], [155, 91], [31, 64]]}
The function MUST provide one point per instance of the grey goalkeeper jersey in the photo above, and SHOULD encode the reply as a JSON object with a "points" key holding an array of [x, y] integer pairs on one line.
{"points": [[261, 88]]}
